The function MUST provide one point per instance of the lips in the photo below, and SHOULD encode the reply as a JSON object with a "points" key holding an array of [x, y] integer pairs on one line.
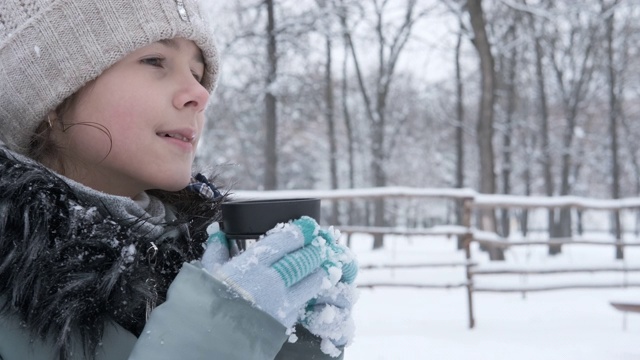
{"points": [[186, 135], [184, 139]]}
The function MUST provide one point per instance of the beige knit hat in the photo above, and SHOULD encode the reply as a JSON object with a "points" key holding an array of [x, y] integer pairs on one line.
{"points": [[51, 48]]}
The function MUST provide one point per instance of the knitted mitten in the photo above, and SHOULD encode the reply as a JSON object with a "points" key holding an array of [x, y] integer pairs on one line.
{"points": [[328, 316], [282, 271], [217, 250]]}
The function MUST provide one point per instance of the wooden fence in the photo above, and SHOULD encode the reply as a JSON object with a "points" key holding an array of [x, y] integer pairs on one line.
{"points": [[468, 234]]}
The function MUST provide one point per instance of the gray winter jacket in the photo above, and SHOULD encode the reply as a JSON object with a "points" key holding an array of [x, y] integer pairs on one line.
{"points": [[199, 320], [87, 276]]}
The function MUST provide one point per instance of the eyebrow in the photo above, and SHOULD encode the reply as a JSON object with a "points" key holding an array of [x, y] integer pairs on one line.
{"points": [[171, 43]]}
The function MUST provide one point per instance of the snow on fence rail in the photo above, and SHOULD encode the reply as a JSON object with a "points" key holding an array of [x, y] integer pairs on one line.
{"points": [[468, 234], [362, 193], [433, 231], [479, 200]]}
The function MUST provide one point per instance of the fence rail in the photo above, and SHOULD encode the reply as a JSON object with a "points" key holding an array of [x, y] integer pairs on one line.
{"points": [[526, 289], [415, 266], [414, 285], [467, 234], [552, 271]]}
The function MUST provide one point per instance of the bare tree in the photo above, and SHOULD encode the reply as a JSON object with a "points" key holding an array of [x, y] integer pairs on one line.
{"points": [[459, 131], [571, 56], [564, 55], [543, 110], [333, 152], [390, 46], [331, 128], [570, 53], [484, 127], [507, 131], [609, 11], [271, 116]]}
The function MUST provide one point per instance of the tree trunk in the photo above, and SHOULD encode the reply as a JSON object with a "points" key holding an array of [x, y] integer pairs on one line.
{"points": [[524, 214], [564, 221], [350, 135], [485, 117], [459, 136], [329, 113], [613, 124], [377, 166], [546, 158], [508, 133], [376, 163], [350, 140], [634, 163], [389, 48], [573, 70], [271, 119]]}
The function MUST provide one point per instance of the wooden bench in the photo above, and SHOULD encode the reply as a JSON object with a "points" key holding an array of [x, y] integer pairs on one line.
{"points": [[626, 306]]}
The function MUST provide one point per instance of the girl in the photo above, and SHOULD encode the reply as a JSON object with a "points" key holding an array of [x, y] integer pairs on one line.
{"points": [[104, 250]]}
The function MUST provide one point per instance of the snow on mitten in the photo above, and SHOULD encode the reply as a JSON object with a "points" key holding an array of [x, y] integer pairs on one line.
{"points": [[217, 251], [342, 262], [282, 271], [329, 315]]}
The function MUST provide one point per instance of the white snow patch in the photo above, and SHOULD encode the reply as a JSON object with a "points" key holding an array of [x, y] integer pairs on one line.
{"points": [[433, 324], [128, 253]]}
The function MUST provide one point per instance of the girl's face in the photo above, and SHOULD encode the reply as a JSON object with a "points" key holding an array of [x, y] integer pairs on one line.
{"points": [[152, 104]]}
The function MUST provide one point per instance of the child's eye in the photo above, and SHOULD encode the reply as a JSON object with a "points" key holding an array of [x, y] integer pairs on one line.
{"points": [[197, 76], [153, 61]]}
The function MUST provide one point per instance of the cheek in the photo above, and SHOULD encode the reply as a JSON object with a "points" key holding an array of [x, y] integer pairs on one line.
{"points": [[116, 112], [97, 127], [200, 124], [121, 116], [89, 141]]}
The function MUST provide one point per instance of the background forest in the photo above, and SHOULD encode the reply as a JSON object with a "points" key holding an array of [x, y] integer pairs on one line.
{"points": [[522, 97], [525, 97]]}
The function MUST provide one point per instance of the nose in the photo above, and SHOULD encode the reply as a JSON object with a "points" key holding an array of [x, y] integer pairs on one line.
{"points": [[191, 94]]}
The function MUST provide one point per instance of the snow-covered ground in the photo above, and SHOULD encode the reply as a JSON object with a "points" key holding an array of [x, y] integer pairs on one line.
{"points": [[409, 323]]}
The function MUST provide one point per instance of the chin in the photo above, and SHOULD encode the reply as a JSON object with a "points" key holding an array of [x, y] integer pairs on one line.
{"points": [[174, 184]]}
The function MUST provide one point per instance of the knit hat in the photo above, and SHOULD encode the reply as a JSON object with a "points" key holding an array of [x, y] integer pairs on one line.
{"points": [[49, 49]]}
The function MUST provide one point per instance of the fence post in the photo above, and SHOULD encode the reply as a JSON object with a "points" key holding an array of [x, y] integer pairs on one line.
{"points": [[468, 237], [618, 233]]}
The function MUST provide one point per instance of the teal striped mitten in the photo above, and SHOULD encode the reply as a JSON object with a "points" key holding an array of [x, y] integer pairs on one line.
{"points": [[283, 271], [329, 315]]}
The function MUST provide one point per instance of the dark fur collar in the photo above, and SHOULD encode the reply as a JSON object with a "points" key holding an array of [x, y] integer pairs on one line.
{"points": [[67, 266]]}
